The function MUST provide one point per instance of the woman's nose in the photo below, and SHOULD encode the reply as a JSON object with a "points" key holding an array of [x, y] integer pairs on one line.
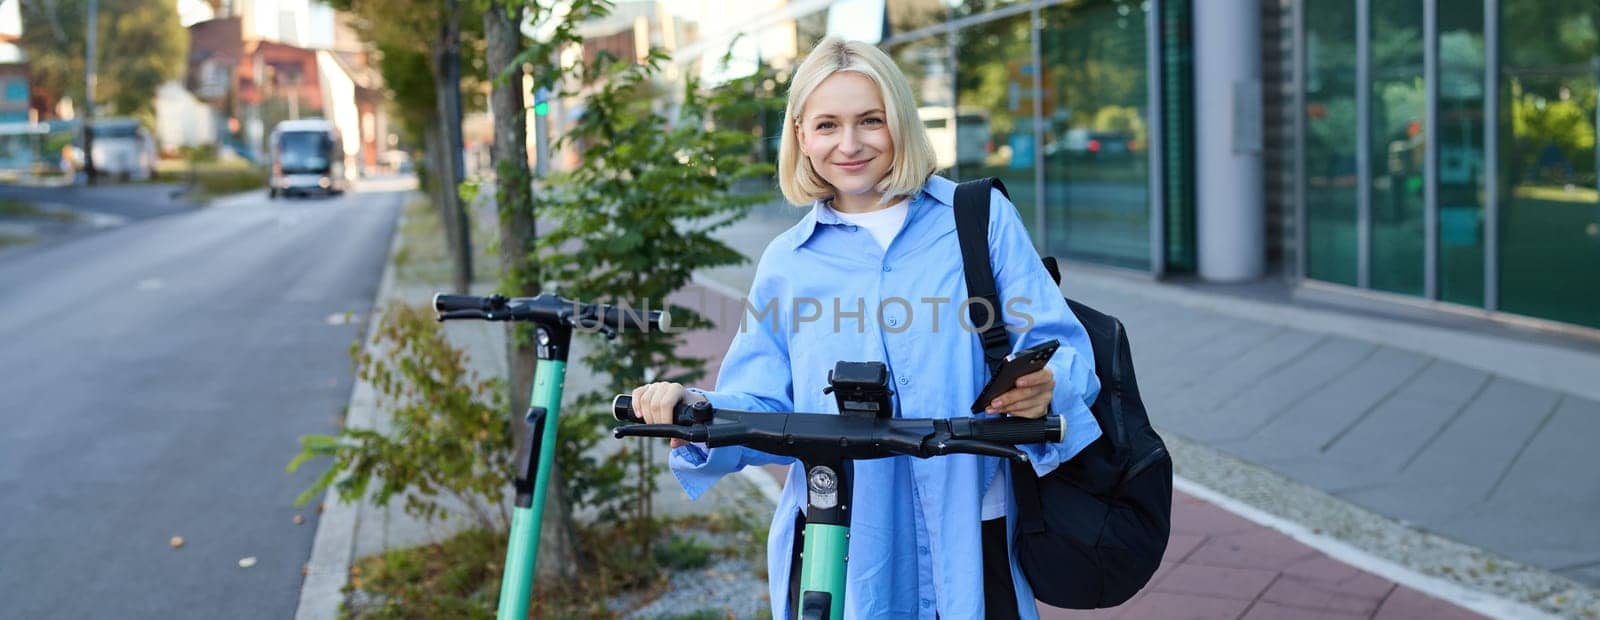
{"points": [[850, 142]]}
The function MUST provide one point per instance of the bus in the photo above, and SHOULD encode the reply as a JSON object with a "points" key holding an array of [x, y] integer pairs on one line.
{"points": [[307, 158]]}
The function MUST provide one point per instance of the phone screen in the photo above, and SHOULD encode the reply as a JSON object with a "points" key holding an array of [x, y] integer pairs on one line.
{"points": [[1016, 365]]}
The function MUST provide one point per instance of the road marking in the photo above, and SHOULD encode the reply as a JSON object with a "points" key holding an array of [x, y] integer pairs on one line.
{"points": [[343, 318]]}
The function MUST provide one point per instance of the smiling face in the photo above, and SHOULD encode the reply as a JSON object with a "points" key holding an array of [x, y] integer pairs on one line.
{"points": [[844, 131]]}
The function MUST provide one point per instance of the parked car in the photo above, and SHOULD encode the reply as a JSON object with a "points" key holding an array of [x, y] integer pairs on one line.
{"points": [[1086, 144], [123, 149], [307, 158]]}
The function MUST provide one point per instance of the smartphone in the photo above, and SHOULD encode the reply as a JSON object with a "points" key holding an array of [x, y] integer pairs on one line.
{"points": [[1015, 366]]}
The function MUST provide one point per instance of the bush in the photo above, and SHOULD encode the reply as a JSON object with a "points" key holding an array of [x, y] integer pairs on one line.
{"points": [[449, 435]]}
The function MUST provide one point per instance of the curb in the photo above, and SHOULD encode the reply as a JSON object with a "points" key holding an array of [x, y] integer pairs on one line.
{"points": [[328, 569]]}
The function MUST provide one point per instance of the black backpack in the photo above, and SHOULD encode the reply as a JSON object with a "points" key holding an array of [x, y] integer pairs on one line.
{"points": [[1091, 533]]}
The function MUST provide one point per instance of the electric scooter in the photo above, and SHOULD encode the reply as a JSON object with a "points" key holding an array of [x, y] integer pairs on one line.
{"points": [[554, 320], [827, 445]]}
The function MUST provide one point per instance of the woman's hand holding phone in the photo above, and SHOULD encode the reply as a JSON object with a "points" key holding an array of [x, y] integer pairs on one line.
{"points": [[1028, 398]]}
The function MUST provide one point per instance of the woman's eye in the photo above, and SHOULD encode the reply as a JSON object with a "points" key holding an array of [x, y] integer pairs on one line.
{"points": [[825, 125], [872, 122]]}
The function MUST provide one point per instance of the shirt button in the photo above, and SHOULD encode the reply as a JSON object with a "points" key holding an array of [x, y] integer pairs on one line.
{"points": [[926, 603], [905, 380], [888, 268], [893, 321], [922, 550]]}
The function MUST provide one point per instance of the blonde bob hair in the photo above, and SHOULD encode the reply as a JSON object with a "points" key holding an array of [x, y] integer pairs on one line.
{"points": [[914, 159]]}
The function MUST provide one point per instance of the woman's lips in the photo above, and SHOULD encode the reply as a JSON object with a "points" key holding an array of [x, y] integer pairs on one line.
{"points": [[855, 166]]}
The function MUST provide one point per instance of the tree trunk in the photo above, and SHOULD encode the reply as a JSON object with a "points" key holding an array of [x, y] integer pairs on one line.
{"points": [[447, 97], [514, 201], [440, 187]]}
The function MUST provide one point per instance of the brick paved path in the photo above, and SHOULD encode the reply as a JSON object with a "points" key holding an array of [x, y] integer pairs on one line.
{"points": [[1219, 565]]}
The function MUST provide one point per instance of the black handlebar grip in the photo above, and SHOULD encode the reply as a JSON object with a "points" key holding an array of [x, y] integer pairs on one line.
{"points": [[451, 303], [684, 414], [622, 409], [628, 319], [1048, 429]]}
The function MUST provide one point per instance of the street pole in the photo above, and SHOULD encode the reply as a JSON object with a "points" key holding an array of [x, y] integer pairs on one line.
{"points": [[541, 133], [88, 93]]}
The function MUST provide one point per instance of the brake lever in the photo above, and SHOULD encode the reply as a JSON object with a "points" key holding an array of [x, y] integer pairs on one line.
{"points": [[672, 431], [973, 446]]}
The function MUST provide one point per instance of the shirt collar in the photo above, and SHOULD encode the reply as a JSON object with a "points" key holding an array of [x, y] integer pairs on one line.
{"points": [[936, 187]]}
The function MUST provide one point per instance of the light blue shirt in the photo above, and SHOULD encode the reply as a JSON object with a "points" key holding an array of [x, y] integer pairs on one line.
{"points": [[915, 532]]}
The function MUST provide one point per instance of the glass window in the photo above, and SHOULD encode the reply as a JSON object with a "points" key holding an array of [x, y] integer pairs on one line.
{"points": [[926, 63], [1177, 107], [1398, 108], [1096, 167], [994, 108], [1549, 207], [1460, 141], [1330, 140]]}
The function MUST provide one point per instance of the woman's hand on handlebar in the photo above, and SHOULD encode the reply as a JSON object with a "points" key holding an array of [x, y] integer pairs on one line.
{"points": [[654, 402]]}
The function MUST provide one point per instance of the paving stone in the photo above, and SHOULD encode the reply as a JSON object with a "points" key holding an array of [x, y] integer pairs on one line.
{"points": [[1313, 421], [1266, 610], [1245, 413], [1566, 444], [1331, 574], [1589, 574], [1238, 375], [1180, 545], [1396, 429], [1207, 520], [1446, 381], [1244, 584], [1408, 604], [1171, 606], [1563, 535], [1202, 361], [1457, 469], [1320, 595], [1261, 548]]}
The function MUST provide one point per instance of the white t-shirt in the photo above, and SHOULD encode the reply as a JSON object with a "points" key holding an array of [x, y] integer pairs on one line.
{"points": [[884, 224]]}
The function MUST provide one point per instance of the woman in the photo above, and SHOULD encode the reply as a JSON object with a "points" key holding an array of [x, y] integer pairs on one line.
{"points": [[879, 251]]}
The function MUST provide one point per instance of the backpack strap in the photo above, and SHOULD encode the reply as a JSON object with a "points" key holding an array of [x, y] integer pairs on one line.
{"points": [[972, 231]]}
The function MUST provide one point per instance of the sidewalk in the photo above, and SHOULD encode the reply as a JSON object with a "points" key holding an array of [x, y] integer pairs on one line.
{"points": [[1402, 433]]}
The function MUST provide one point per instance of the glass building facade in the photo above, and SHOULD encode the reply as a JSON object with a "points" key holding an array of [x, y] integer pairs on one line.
{"points": [[1438, 151], [1449, 152]]}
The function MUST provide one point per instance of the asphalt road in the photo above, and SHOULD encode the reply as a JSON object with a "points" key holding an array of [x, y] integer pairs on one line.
{"points": [[154, 379]]}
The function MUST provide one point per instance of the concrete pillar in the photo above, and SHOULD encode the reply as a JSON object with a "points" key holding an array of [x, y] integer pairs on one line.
{"points": [[1229, 220]]}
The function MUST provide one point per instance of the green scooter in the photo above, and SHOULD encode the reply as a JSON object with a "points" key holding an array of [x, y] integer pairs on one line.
{"points": [[554, 319], [826, 446]]}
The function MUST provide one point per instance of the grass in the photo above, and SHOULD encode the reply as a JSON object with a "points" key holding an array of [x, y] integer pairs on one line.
{"points": [[456, 578], [212, 178], [11, 208], [423, 257], [9, 239], [460, 577]]}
